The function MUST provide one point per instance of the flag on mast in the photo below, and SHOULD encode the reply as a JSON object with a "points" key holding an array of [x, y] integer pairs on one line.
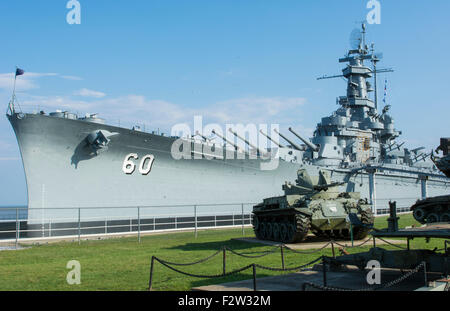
{"points": [[19, 71], [385, 91]]}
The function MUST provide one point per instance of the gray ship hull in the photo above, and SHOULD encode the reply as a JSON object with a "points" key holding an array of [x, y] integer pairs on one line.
{"points": [[61, 173]]}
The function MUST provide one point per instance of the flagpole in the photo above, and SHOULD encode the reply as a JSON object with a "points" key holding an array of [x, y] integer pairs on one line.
{"points": [[11, 105]]}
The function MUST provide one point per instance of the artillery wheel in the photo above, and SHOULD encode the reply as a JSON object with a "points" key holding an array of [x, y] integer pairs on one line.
{"points": [[276, 232]]}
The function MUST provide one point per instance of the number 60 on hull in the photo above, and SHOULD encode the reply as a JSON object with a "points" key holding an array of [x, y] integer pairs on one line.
{"points": [[145, 166]]}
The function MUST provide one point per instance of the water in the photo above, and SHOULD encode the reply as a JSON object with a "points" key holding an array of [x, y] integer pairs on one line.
{"points": [[9, 212]]}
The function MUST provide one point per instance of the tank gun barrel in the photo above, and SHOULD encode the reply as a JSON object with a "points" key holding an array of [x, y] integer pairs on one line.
{"points": [[271, 139], [310, 145], [325, 187], [246, 141], [290, 142]]}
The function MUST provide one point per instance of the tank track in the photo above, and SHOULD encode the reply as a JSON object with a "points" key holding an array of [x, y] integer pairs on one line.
{"points": [[367, 218], [291, 228]]}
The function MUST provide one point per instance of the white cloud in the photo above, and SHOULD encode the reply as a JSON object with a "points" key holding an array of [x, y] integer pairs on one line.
{"points": [[7, 83], [155, 113], [89, 93], [27, 81], [75, 78]]}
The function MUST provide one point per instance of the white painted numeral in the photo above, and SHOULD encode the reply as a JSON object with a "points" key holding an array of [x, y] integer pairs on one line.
{"points": [[128, 165], [145, 165], [145, 170]]}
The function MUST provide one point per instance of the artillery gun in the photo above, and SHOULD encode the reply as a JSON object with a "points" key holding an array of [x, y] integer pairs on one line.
{"points": [[436, 209], [312, 204]]}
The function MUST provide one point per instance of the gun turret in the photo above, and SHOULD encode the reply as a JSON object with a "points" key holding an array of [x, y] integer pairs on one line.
{"points": [[310, 145], [290, 142]]}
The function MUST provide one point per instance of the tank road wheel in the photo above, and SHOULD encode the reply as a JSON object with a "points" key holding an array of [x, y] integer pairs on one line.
{"points": [[283, 232], [256, 227], [276, 232], [255, 222], [419, 215], [367, 218], [269, 231], [445, 217], [262, 231], [432, 218], [290, 233]]}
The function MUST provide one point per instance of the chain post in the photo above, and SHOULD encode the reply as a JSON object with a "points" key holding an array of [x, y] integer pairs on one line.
{"points": [[254, 277], [151, 274]]}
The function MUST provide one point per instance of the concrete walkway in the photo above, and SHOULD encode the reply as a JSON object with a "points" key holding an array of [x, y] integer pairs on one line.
{"points": [[349, 278]]}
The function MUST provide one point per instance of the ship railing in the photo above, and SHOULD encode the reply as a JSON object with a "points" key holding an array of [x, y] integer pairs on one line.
{"points": [[110, 119]]}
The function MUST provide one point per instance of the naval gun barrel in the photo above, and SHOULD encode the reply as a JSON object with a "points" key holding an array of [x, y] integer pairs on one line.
{"points": [[310, 145], [246, 141], [227, 141], [270, 138], [290, 142], [197, 133]]}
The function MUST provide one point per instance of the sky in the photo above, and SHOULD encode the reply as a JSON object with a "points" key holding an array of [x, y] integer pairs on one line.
{"points": [[159, 63]]}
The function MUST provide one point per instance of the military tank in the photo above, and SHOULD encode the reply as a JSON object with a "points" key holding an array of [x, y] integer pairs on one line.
{"points": [[436, 209], [312, 204]]}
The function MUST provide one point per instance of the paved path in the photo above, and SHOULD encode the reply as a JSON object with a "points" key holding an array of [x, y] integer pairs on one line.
{"points": [[351, 278]]}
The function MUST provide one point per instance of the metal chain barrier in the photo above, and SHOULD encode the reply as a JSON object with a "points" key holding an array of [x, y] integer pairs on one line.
{"points": [[354, 246], [310, 252], [302, 267], [276, 248], [392, 244], [191, 263], [205, 276]]}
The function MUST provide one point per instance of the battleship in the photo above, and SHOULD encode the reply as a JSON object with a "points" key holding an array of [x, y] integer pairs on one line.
{"points": [[73, 161]]}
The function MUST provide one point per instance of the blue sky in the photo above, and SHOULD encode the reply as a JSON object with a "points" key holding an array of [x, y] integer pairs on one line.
{"points": [[162, 62]]}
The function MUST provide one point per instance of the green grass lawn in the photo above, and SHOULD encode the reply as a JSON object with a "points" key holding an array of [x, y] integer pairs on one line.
{"points": [[123, 263]]}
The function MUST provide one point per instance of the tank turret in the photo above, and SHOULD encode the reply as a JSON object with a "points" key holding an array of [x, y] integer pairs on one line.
{"points": [[315, 204]]}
